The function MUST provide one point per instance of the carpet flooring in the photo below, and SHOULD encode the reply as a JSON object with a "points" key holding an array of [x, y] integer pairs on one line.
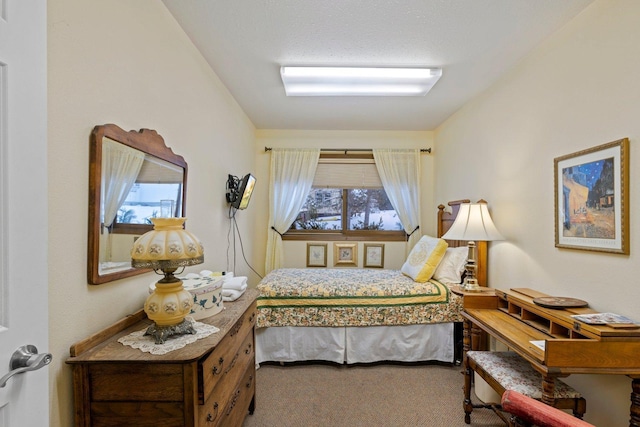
{"points": [[321, 395]]}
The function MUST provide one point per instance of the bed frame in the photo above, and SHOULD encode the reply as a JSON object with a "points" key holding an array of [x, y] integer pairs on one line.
{"points": [[290, 343]]}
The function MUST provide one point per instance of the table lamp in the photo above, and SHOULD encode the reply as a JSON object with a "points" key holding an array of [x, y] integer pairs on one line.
{"points": [[166, 248], [472, 224]]}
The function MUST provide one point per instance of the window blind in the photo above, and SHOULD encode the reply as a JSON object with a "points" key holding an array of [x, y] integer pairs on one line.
{"points": [[346, 173], [156, 171]]}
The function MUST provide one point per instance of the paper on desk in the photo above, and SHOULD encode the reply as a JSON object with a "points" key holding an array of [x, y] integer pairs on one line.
{"points": [[602, 318], [538, 343]]}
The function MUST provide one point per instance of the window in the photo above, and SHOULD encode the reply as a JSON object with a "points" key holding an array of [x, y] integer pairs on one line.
{"points": [[157, 192], [146, 201], [347, 202]]}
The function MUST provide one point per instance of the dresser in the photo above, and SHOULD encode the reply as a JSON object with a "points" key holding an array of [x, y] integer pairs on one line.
{"points": [[210, 382]]}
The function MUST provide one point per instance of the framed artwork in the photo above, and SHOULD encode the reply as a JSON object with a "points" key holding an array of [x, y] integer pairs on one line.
{"points": [[316, 254], [591, 198], [373, 255], [345, 254]]}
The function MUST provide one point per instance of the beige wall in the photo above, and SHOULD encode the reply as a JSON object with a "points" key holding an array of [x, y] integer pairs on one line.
{"points": [[129, 63], [578, 90], [295, 252]]}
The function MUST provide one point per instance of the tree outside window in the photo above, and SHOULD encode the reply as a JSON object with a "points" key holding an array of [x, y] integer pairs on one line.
{"points": [[347, 210]]}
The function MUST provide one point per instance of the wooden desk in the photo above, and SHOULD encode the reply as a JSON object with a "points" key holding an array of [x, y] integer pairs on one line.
{"points": [[571, 347]]}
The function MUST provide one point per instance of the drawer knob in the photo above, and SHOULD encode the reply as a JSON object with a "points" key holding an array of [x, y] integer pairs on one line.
{"points": [[250, 381], [248, 350], [210, 417], [217, 370]]}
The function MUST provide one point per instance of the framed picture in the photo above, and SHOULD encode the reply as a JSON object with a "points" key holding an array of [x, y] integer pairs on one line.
{"points": [[316, 254], [373, 255], [591, 198], [345, 254]]}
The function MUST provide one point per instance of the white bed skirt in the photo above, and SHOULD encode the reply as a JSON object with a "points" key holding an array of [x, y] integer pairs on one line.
{"points": [[411, 343]]}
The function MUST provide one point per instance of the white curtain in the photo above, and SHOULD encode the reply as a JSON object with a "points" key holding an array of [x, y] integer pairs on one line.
{"points": [[290, 180], [120, 168], [399, 172]]}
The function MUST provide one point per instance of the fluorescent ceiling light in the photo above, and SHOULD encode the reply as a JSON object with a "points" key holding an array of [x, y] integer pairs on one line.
{"points": [[351, 81]]}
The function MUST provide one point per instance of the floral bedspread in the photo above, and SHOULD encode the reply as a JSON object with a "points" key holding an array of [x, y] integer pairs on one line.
{"points": [[352, 297]]}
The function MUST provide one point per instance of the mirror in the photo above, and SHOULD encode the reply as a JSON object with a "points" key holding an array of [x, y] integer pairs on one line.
{"points": [[133, 176]]}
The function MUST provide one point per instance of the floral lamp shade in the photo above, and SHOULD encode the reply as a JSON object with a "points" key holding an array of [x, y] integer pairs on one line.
{"points": [[167, 245]]}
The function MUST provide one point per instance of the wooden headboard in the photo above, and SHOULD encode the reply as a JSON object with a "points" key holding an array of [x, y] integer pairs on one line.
{"points": [[445, 221]]}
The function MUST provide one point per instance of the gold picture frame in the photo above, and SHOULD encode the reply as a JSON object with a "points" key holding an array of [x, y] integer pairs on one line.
{"points": [[345, 254], [591, 198], [373, 256], [316, 254]]}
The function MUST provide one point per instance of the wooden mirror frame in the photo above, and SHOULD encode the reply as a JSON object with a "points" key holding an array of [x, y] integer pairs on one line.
{"points": [[145, 140]]}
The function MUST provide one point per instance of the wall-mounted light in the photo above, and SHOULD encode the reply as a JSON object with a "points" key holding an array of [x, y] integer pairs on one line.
{"points": [[358, 81]]}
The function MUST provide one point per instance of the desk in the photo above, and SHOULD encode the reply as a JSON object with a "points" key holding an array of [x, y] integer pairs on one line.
{"points": [[570, 346]]}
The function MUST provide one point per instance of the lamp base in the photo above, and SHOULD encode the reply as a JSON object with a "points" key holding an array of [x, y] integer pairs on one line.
{"points": [[471, 285], [470, 282], [161, 332]]}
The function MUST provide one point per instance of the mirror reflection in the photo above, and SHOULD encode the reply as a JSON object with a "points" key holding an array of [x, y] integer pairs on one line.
{"points": [[134, 177]]}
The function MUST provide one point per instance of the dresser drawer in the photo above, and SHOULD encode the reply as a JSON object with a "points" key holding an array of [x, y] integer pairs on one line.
{"points": [[231, 372], [232, 411], [227, 361]]}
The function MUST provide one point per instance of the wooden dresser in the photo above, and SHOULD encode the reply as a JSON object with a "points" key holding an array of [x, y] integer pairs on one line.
{"points": [[210, 382]]}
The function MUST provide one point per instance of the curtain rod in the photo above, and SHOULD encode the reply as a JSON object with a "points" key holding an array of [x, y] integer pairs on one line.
{"points": [[422, 150]]}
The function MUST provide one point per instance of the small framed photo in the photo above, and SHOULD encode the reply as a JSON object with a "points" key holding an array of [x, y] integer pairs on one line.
{"points": [[316, 254], [373, 255], [345, 254], [591, 198]]}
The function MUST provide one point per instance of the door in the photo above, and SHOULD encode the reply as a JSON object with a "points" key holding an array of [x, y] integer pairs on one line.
{"points": [[23, 206]]}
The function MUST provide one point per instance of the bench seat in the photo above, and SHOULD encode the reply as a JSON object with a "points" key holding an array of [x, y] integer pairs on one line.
{"points": [[506, 370]]}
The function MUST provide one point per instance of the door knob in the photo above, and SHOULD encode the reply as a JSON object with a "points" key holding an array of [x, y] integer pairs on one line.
{"points": [[25, 358]]}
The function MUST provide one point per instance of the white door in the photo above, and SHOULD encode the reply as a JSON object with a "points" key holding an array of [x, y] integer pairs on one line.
{"points": [[23, 207]]}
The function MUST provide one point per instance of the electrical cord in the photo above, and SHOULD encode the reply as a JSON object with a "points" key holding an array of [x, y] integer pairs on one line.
{"points": [[233, 228]]}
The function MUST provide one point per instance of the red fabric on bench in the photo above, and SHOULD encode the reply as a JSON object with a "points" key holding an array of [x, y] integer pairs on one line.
{"points": [[537, 413]]}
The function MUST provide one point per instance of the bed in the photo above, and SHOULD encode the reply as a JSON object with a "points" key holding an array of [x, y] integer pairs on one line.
{"points": [[351, 315]]}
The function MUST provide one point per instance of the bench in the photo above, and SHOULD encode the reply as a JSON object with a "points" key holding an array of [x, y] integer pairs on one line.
{"points": [[506, 370]]}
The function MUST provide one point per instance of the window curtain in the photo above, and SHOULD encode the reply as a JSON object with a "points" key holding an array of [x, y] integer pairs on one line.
{"points": [[399, 172], [291, 176], [120, 168]]}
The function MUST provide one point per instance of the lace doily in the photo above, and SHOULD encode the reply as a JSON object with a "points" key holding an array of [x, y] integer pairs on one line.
{"points": [[147, 343]]}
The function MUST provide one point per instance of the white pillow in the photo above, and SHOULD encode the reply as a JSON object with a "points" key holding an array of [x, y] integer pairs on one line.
{"points": [[424, 258], [452, 265]]}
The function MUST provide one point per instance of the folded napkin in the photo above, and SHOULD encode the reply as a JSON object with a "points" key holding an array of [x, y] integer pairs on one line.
{"points": [[231, 294], [235, 283]]}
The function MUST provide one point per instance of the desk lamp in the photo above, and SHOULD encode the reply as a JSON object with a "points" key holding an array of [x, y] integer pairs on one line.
{"points": [[166, 248], [472, 224]]}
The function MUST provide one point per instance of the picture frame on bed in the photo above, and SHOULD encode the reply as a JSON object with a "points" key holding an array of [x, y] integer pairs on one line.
{"points": [[373, 255], [345, 254], [316, 254], [591, 193]]}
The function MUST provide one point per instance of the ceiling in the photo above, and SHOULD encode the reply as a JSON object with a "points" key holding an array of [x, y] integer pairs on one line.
{"points": [[473, 41]]}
